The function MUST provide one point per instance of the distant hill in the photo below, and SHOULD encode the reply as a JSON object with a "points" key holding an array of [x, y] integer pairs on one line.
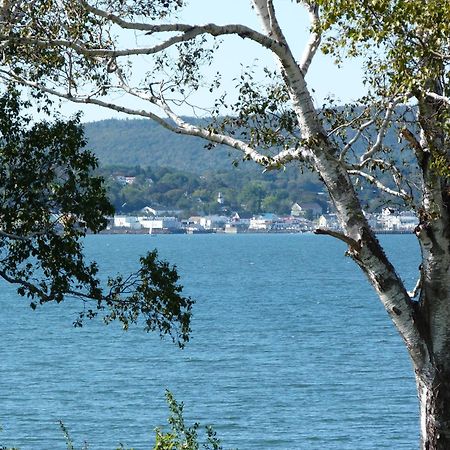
{"points": [[144, 143], [135, 144]]}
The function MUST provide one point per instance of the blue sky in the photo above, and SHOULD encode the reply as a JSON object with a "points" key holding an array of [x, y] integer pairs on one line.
{"points": [[324, 77]]}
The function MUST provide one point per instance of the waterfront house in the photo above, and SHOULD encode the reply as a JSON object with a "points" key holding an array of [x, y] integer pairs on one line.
{"points": [[213, 222], [262, 222], [161, 224], [128, 222]]}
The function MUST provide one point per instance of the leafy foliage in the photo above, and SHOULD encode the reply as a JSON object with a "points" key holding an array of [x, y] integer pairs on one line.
{"points": [[262, 113], [407, 32], [405, 45], [154, 9], [49, 199], [181, 436]]}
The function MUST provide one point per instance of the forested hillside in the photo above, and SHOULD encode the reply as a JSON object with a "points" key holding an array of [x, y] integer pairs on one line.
{"points": [[145, 143], [178, 172], [174, 171]]}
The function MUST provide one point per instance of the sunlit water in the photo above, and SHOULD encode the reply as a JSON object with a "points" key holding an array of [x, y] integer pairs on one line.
{"points": [[290, 349]]}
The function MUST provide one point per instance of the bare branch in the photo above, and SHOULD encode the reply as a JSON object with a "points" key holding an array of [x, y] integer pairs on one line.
{"points": [[341, 236], [417, 287], [314, 41], [180, 127], [345, 125], [89, 100], [381, 132], [355, 138], [268, 162], [441, 98], [189, 33], [401, 193]]}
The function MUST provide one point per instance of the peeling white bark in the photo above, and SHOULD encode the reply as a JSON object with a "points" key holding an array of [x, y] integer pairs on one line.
{"points": [[423, 394], [440, 97]]}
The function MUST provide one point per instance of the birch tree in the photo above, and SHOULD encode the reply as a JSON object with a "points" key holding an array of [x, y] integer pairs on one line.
{"points": [[92, 52]]}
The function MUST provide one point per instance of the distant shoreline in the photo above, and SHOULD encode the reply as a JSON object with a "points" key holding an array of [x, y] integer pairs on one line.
{"points": [[146, 231]]}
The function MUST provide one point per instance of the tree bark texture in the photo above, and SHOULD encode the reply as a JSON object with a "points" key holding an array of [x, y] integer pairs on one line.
{"points": [[434, 399]]}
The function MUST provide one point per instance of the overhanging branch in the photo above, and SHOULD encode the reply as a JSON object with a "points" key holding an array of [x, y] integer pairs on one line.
{"points": [[188, 32], [341, 236]]}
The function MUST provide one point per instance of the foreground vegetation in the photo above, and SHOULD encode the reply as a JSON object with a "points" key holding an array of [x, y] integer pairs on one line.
{"points": [[180, 436]]}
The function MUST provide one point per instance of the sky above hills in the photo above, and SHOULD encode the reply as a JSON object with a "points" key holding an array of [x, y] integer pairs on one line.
{"points": [[324, 77]]}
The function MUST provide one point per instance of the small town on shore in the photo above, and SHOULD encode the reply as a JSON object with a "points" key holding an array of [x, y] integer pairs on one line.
{"points": [[303, 219]]}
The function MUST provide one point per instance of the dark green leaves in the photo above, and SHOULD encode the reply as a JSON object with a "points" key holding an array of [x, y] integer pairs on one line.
{"points": [[49, 200], [154, 296]]}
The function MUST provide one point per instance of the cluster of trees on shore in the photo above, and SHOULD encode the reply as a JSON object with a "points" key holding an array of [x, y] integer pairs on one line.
{"points": [[168, 188], [187, 177]]}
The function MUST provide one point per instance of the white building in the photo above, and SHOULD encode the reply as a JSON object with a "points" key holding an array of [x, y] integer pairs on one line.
{"points": [[262, 222], [124, 180], [408, 221], [160, 223], [130, 222], [390, 220], [328, 221]]}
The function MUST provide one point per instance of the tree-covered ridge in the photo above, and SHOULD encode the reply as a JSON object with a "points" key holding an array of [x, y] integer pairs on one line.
{"points": [[177, 172], [144, 143], [213, 192]]}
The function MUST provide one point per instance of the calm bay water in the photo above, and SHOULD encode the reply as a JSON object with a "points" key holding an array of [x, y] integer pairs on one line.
{"points": [[290, 349]]}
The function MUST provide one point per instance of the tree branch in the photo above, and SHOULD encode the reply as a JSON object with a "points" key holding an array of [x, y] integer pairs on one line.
{"points": [[355, 246], [17, 237], [24, 283], [417, 287], [268, 162], [88, 100], [355, 138], [441, 98], [381, 132], [314, 40], [189, 32], [401, 194], [266, 12]]}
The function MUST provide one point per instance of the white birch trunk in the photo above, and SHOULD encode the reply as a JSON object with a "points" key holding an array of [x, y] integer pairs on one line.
{"points": [[366, 249]]}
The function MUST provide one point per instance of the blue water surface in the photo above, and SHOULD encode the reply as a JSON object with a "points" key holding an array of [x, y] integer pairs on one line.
{"points": [[290, 349]]}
